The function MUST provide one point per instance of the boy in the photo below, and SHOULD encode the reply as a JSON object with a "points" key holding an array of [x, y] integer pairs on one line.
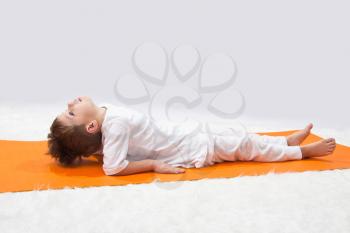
{"points": [[129, 142]]}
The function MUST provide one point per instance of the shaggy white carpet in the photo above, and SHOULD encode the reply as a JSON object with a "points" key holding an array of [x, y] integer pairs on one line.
{"points": [[290, 202]]}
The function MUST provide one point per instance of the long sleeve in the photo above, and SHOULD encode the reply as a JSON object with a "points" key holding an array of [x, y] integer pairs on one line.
{"points": [[115, 148]]}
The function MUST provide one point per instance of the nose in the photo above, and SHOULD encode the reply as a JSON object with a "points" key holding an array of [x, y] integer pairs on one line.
{"points": [[69, 104], [72, 102]]}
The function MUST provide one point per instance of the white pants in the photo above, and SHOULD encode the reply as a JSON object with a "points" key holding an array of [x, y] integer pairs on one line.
{"points": [[253, 147]]}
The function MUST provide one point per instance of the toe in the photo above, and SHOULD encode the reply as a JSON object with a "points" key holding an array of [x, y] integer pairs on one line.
{"points": [[331, 143], [309, 126], [329, 139]]}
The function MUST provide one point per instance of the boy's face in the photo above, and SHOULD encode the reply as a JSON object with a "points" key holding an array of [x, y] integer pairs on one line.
{"points": [[79, 111]]}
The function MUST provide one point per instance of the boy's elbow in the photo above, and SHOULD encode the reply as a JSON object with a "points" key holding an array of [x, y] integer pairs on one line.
{"points": [[116, 172], [110, 173], [113, 174]]}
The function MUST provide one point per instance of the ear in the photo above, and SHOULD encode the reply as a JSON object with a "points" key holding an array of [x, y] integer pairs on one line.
{"points": [[92, 126]]}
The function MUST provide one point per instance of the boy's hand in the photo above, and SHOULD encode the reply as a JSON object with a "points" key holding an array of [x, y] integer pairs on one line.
{"points": [[161, 167]]}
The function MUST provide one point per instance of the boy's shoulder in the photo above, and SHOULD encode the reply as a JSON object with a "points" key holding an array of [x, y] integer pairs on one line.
{"points": [[115, 119]]}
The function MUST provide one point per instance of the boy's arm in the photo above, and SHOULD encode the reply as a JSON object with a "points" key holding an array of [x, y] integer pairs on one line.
{"points": [[149, 165], [137, 167]]}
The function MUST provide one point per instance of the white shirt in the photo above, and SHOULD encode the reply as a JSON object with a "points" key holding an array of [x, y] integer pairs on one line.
{"points": [[129, 135]]}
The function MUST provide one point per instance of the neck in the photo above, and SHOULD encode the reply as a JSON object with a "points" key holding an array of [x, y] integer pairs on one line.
{"points": [[100, 115]]}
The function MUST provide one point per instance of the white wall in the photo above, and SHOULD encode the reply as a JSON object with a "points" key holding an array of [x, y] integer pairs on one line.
{"points": [[293, 57]]}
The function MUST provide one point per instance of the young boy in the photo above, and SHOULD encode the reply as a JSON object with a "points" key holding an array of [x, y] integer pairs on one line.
{"points": [[128, 142]]}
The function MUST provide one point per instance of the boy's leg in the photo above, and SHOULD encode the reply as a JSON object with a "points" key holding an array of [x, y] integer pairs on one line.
{"points": [[320, 148], [299, 136], [293, 139], [251, 147], [282, 140]]}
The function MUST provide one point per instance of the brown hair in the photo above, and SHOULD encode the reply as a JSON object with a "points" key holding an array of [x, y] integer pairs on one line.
{"points": [[67, 143]]}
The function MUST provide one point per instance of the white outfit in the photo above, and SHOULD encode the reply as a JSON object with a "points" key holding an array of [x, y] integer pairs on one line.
{"points": [[129, 135], [262, 148]]}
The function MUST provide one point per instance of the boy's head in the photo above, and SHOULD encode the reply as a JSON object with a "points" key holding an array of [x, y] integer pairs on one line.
{"points": [[76, 132]]}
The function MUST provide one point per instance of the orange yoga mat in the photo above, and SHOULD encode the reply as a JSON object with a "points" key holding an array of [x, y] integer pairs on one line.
{"points": [[24, 167]]}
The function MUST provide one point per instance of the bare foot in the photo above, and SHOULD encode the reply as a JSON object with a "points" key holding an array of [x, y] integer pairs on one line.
{"points": [[321, 148], [298, 137]]}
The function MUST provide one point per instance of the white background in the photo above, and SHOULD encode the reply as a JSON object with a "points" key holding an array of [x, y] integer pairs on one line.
{"points": [[293, 57]]}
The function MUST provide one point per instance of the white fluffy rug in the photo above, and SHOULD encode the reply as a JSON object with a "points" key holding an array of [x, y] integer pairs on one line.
{"points": [[289, 202]]}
